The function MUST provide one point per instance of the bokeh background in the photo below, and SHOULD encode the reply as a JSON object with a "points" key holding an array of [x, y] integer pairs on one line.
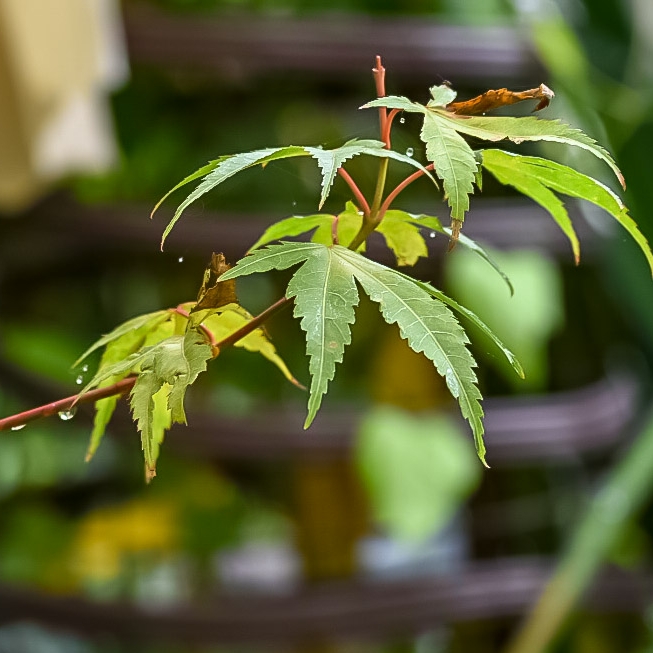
{"points": [[376, 530]]}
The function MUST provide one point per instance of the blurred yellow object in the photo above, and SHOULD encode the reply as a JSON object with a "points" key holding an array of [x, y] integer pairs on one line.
{"points": [[107, 536], [57, 60]]}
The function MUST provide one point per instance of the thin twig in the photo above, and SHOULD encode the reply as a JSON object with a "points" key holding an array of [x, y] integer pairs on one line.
{"points": [[379, 80], [401, 186], [388, 128], [125, 385], [365, 207]]}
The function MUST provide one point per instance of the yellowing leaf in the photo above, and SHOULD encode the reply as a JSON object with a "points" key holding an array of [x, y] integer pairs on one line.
{"points": [[230, 319]]}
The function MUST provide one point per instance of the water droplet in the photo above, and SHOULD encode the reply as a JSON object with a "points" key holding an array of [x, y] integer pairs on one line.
{"points": [[66, 415], [360, 212], [452, 382], [410, 151], [85, 368], [18, 427], [79, 380], [180, 259], [294, 203], [432, 234], [402, 120]]}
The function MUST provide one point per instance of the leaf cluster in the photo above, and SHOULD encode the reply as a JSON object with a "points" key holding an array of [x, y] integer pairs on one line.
{"points": [[166, 350], [169, 349]]}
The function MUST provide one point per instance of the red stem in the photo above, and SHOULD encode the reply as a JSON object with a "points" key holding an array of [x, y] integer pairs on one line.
{"points": [[124, 386], [400, 186], [379, 81], [385, 135], [355, 190], [208, 333]]}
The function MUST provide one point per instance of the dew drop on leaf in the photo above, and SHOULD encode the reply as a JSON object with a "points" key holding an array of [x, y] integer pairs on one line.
{"points": [[85, 368], [66, 415], [79, 380], [452, 382], [402, 120], [410, 151], [432, 234], [18, 427]]}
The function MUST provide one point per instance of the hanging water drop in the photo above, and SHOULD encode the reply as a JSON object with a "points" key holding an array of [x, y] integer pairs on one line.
{"points": [[180, 259], [18, 427], [79, 380], [84, 369], [294, 203], [66, 415], [410, 151], [402, 120], [432, 234]]}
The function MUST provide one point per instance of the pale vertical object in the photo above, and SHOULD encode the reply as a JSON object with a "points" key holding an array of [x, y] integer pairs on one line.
{"points": [[641, 58], [58, 61]]}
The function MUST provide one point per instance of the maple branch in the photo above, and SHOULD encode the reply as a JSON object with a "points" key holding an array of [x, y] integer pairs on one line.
{"points": [[401, 186], [385, 136], [355, 190], [125, 385], [372, 219]]}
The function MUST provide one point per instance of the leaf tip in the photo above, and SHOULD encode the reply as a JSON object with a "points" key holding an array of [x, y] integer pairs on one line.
{"points": [[150, 473]]}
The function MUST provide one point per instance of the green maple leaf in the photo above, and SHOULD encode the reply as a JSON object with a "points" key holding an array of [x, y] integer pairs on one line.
{"points": [[325, 296], [168, 367], [122, 342], [530, 128], [147, 322], [329, 161], [149, 403], [454, 160], [324, 289], [401, 233], [538, 178], [429, 327]]}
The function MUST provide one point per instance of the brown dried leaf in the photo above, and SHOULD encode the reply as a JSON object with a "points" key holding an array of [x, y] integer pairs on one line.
{"points": [[213, 293], [501, 98]]}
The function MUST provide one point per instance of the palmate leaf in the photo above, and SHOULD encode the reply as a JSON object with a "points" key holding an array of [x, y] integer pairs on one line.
{"points": [[452, 158], [153, 340], [325, 296], [537, 178], [329, 161]]}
